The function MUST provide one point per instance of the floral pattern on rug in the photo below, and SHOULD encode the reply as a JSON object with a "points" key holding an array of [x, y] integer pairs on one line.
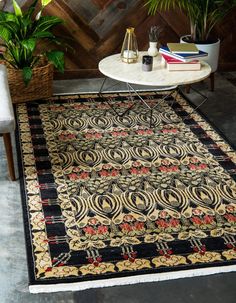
{"points": [[109, 196]]}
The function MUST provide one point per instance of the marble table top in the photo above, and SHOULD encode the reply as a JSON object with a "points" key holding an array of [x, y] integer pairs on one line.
{"points": [[114, 68]]}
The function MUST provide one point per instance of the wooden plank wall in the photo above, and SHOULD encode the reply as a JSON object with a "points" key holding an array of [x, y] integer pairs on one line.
{"points": [[96, 28]]}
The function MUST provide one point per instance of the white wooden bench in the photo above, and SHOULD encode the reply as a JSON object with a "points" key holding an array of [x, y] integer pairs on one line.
{"points": [[7, 120]]}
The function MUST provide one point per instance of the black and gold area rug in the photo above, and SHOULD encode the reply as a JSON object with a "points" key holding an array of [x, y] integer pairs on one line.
{"points": [[110, 201]]}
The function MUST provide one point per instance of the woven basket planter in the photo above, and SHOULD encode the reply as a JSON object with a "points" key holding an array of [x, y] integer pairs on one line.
{"points": [[39, 87]]}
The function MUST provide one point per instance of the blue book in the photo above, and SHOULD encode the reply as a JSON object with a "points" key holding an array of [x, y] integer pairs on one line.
{"points": [[182, 56]]}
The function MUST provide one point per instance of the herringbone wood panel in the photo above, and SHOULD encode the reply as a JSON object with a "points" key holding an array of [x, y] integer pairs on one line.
{"points": [[96, 28]]}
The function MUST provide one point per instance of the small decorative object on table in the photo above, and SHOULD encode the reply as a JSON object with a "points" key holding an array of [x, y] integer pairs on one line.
{"points": [[147, 63], [129, 51], [154, 35]]}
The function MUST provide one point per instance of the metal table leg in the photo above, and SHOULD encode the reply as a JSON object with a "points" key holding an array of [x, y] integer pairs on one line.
{"points": [[100, 94], [131, 90], [204, 97], [151, 108]]}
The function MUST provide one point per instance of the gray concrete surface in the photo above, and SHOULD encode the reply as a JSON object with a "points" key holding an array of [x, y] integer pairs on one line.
{"points": [[221, 110]]}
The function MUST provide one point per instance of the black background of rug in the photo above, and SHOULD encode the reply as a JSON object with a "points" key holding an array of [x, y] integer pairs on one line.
{"points": [[30, 257]]}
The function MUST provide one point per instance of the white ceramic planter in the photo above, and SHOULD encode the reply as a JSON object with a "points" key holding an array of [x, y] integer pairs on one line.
{"points": [[152, 50], [213, 51]]}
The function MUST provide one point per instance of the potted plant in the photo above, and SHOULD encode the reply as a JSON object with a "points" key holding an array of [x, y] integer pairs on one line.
{"points": [[30, 67], [154, 35], [203, 16]]}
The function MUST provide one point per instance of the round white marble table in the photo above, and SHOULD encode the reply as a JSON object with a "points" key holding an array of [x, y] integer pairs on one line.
{"points": [[160, 78], [132, 73]]}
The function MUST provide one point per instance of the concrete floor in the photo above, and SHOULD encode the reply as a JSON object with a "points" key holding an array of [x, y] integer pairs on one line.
{"points": [[221, 110]]}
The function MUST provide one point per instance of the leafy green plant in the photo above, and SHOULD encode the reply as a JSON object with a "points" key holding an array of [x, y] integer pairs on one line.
{"points": [[21, 32], [203, 14]]}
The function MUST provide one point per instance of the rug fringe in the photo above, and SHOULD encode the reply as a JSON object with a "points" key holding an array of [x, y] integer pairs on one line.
{"points": [[78, 286]]}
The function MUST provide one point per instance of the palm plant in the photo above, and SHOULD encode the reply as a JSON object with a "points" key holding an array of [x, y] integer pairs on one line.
{"points": [[203, 14], [21, 33]]}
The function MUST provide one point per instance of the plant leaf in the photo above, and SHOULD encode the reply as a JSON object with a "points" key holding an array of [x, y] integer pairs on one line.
{"points": [[27, 74], [6, 18], [17, 8], [5, 33], [46, 22], [57, 58], [31, 9], [45, 2], [26, 22], [11, 17], [12, 27], [2, 16], [29, 44], [44, 35]]}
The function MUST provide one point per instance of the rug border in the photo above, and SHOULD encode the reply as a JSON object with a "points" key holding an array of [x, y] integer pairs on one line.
{"points": [[27, 232], [35, 287], [212, 124], [129, 280]]}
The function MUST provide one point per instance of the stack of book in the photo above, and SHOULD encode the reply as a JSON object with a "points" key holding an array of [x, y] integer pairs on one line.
{"points": [[182, 56]]}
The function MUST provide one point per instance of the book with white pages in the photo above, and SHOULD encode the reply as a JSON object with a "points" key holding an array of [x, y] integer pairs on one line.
{"points": [[174, 64], [183, 57]]}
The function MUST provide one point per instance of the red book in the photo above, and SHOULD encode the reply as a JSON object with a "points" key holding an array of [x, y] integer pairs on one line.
{"points": [[173, 64]]}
